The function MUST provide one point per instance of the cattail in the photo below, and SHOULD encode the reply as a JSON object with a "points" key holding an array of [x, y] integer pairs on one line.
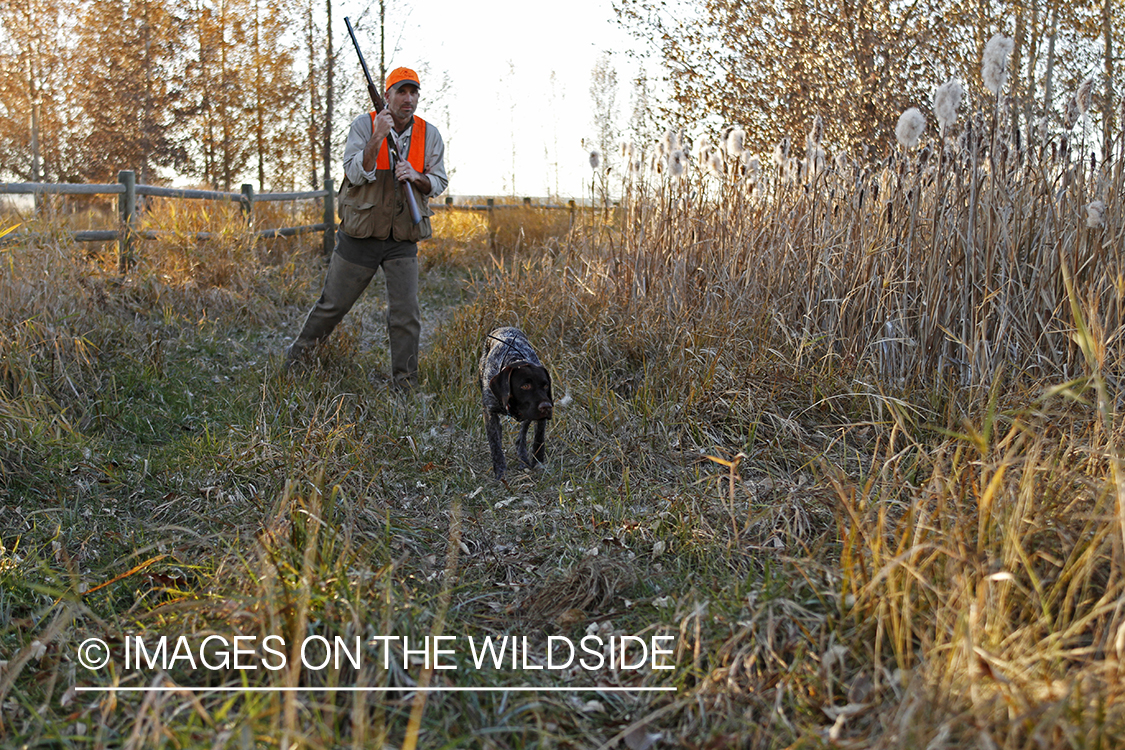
{"points": [[843, 164], [1085, 95], [1095, 215], [715, 164], [595, 158], [735, 142], [1073, 113], [705, 149], [668, 142], [1044, 128], [792, 170], [636, 160], [947, 100], [677, 162], [753, 169], [994, 70], [781, 153], [911, 125], [726, 131], [816, 135], [816, 161]]}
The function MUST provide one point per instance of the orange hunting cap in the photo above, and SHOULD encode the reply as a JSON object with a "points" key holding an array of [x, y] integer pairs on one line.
{"points": [[399, 76]]}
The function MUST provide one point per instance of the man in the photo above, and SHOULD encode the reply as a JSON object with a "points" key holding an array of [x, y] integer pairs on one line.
{"points": [[376, 230]]}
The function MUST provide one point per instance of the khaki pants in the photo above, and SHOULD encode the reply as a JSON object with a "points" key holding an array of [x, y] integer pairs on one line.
{"points": [[343, 284]]}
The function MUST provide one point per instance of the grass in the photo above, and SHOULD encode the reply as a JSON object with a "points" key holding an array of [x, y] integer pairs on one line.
{"points": [[865, 473]]}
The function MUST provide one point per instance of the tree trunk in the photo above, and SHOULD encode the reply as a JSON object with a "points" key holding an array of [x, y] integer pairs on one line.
{"points": [[314, 105], [33, 96], [1049, 78], [1020, 88], [382, 42], [1032, 58], [259, 115], [329, 93], [1110, 109]]}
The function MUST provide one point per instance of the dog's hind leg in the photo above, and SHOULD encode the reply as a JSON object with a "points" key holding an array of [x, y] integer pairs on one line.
{"points": [[492, 429]]}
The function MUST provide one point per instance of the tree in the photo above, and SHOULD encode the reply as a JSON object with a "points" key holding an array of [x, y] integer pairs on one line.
{"points": [[773, 65], [128, 55], [603, 98], [275, 94], [35, 89]]}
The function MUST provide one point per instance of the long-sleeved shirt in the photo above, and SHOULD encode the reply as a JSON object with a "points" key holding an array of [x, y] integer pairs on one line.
{"points": [[360, 133]]}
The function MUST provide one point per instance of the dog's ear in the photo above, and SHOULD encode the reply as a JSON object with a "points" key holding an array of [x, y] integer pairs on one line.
{"points": [[501, 386]]}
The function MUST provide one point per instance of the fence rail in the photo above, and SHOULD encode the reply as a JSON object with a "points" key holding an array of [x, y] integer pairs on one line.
{"points": [[126, 189]]}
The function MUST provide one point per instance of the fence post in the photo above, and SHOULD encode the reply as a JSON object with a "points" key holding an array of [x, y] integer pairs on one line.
{"points": [[127, 211], [329, 216], [247, 202], [491, 224]]}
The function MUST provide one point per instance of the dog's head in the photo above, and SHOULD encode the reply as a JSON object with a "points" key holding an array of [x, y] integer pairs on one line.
{"points": [[524, 390]]}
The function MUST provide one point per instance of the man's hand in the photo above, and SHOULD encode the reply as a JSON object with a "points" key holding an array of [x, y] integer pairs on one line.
{"points": [[404, 172], [383, 124]]}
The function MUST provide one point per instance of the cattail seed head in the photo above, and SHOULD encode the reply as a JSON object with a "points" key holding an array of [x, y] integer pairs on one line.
{"points": [[947, 100], [1095, 215], [994, 69], [1085, 95], [781, 153], [595, 158], [817, 161], [753, 168], [816, 135], [677, 162], [1073, 113], [911, 125], [715, 163], [705, 149], [735, 142]]}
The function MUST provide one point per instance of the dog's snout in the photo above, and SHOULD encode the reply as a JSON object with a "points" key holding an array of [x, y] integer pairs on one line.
{"points": [[545, 408]]}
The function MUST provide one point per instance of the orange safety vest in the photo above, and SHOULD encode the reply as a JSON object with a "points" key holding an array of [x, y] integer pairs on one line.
{"points": [[417, 155]]}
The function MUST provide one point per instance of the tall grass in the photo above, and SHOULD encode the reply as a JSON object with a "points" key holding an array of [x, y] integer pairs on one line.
{"points": [[856, 443]]}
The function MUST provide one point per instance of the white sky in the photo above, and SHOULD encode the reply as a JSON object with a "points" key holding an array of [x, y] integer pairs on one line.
{"points": [[499, 56]]}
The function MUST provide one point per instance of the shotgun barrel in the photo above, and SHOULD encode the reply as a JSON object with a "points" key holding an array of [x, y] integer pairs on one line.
{"points": [[380, 105]]}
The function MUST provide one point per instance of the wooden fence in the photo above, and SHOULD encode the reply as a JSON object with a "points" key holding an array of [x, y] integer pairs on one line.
{"points": [[126, 189]]}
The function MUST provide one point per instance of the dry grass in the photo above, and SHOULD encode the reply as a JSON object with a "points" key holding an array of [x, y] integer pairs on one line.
{"points": [[860, 453]]}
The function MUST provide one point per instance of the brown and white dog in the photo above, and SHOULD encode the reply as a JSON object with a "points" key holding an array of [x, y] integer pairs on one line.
{"points": [[514, 382]]}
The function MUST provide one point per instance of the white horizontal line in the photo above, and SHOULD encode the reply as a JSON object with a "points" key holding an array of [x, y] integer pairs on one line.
{"points": [[403, 689]]}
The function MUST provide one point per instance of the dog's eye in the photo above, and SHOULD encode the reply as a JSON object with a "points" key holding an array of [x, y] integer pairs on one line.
{"points": [[525, 387]]}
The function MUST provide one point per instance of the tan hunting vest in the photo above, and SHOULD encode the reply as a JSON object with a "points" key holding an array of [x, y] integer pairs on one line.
{"points": [[378, 209]]}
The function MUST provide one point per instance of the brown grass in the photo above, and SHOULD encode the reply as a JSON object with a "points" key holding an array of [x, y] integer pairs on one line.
{"points": [[860, 452]]}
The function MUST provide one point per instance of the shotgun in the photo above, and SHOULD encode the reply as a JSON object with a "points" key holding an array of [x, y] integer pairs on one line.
{"points": [[380, 105]]}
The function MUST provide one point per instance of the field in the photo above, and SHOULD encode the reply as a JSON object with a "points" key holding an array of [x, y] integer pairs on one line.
{"points": [[855, 444]]}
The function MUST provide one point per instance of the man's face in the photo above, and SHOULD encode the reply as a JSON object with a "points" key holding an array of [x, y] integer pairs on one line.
{"points": [[403, 101]]}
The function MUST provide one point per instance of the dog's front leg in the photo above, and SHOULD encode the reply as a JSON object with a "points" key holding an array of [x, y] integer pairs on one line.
{"points": [[521, 445], [492, 429], [538, 452]]}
